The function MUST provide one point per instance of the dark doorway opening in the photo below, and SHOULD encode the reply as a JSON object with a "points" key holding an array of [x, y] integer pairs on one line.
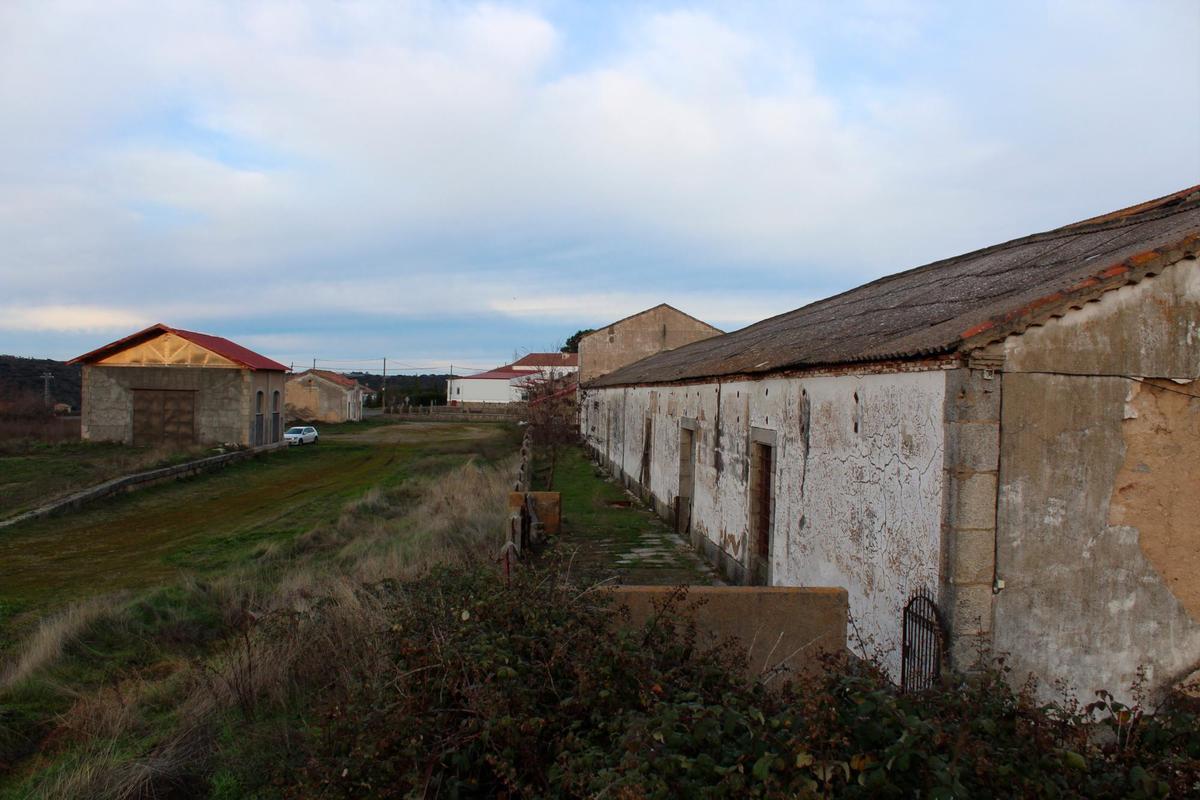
{"points": [[647, 459], [687, 480], [762, 511], [259, 426]]}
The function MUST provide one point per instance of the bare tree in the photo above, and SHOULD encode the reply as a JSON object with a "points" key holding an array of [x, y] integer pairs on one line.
{"points": [[553, 415]]}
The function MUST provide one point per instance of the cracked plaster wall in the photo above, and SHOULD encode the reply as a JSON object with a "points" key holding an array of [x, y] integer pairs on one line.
{"points": [[1098, 479], [859, 509]]}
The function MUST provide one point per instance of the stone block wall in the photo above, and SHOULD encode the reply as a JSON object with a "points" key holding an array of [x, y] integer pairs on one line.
{"points": [[972, 462]]}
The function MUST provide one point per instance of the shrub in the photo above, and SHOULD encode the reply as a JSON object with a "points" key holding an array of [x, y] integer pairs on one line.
{"points": [[484, 689]]}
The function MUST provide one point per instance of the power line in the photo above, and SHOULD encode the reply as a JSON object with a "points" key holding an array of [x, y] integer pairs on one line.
{"points": [[362, 364]]}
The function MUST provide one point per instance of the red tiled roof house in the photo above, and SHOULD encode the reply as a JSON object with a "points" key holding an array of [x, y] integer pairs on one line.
{"points": [[166, 386], [508, 384], [496, 386], [318, 395]]}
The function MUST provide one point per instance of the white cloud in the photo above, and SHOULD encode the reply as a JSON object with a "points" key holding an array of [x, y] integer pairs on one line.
{"points": [[70, 318], [200, 160], [728, 311]]}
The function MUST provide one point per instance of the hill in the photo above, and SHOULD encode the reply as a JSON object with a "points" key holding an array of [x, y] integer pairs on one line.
{"points": [[421, 390], [20, 375]]}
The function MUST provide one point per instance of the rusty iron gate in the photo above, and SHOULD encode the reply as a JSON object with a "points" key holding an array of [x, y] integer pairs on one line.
{"points": [[922, 644]]}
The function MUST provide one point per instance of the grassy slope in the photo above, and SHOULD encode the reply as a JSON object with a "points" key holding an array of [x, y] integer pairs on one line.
{"points": [[216, 520], [238, 528], [34, 473]]}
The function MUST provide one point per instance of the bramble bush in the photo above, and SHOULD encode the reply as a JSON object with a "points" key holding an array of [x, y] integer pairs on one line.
{"points": [[480, 688]]}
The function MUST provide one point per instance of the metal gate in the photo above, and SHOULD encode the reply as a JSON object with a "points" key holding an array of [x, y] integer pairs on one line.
{"points": [[922, 643]]}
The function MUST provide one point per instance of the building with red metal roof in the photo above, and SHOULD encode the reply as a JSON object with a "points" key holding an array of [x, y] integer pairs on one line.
{"points": [[168, 386], [507, 384]]}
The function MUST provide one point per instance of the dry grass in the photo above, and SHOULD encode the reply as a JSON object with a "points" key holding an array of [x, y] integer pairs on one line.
{"points": [[300, 619], [53, 635], [456, 519], [105, 772]]}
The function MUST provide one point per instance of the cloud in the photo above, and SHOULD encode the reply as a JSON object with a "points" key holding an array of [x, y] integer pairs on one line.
{"points": [[729, 311], [69, 318], [213, 164]]}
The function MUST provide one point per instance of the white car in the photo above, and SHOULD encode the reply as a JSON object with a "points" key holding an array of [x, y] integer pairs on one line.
{"points": [[301, 435]]}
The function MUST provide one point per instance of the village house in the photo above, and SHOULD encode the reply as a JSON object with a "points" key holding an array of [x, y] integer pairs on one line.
{"points": [[511, 382], [547, 365], [166, 386], [637, 336], [1015, 431], [495, 387], [318, 395]]}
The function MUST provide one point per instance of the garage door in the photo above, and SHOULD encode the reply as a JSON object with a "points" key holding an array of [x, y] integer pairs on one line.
{"points": [[164, 417]]}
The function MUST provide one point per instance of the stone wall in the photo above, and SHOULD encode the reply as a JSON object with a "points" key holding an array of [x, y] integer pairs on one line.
{"points": [[858, 478], [972, 418], [314, 399], [222, 401], [635, 338], [273, 385], [782, 629], [1098, 542]]}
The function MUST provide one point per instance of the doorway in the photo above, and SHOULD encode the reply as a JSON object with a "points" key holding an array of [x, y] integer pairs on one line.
{"points": [[259, 427], [762, 511], [164, 417], [276, 418], [687, 480], [647, 459]]}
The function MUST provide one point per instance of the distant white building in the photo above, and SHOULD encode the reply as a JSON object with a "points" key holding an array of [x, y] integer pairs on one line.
{"points": [[501, 385], [548, 365], [508, 384]]}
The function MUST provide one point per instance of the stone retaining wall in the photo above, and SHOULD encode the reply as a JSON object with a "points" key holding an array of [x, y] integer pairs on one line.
{"points": [[783, 628], [140, 480]]}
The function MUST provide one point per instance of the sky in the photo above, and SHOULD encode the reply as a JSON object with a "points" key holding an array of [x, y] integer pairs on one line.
{"points": [[449, 182]]}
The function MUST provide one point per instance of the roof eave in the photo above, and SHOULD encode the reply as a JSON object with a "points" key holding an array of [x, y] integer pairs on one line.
{"points": [[1129, 271], [120, 344]]}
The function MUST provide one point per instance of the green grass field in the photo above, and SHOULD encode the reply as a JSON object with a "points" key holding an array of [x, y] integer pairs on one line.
{"points": [[32, 474], [613, 535], [131, 606], [217, 520]]}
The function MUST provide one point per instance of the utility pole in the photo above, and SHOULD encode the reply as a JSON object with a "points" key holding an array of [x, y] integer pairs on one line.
{"points": [[46, 378], [383, 389]]}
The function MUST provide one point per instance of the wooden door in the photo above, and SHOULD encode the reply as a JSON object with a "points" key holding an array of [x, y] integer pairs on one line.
{"points": [[179, 418], [164, 417], [147, 418]]}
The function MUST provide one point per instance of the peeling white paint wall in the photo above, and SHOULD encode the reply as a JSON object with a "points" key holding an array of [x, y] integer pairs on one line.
{"points": [[859, 509], [1084, 600]]}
